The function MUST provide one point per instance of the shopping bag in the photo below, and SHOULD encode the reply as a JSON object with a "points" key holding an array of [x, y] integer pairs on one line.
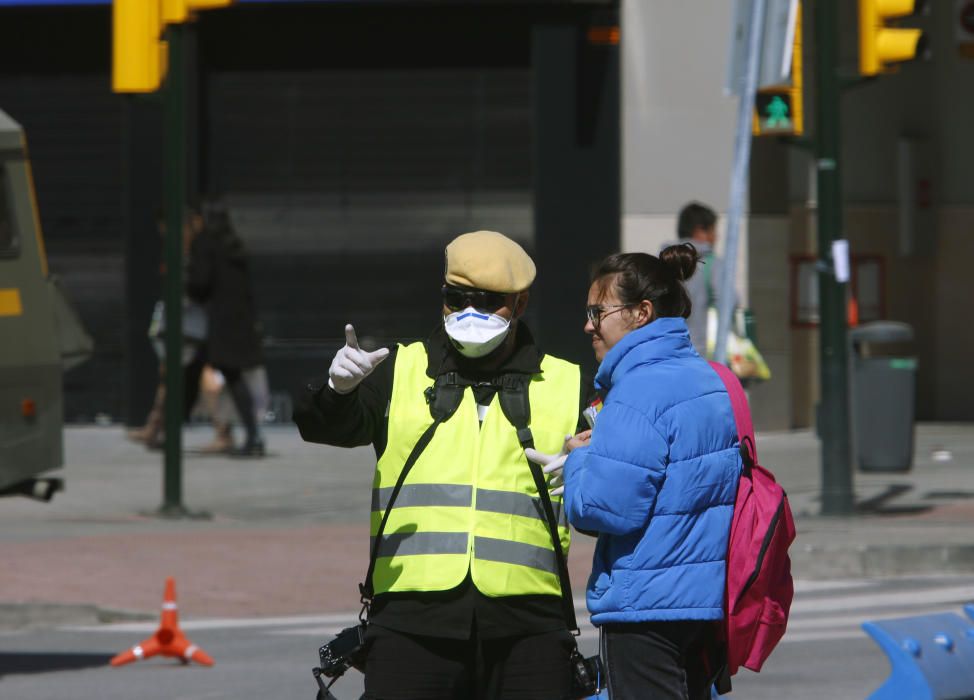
{"points": [[743, 356]]}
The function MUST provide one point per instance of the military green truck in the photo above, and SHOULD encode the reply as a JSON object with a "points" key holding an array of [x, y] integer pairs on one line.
{"points": [[40, 335]]}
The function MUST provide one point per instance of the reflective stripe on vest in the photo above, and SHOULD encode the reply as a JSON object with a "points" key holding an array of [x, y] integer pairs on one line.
{"points": [[458, 496], [469, 504], [416, 495], [409, 543]]}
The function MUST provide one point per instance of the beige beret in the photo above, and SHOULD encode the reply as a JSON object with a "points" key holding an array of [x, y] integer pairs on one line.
{"points": [[488, 260]]}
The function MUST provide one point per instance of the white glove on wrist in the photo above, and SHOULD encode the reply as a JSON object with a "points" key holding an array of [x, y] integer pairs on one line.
{"points": [[553, 466], [352, 364]]}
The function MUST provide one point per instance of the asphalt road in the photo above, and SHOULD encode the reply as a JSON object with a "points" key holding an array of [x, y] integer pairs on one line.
{"points": [[824, 654]]}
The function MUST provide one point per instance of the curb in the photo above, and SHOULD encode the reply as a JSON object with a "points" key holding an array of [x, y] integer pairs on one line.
{"points": [[825, 562], [22, 616]]}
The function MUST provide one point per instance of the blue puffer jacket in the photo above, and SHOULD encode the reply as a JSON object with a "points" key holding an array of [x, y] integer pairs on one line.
{"points": [[657, 482]]}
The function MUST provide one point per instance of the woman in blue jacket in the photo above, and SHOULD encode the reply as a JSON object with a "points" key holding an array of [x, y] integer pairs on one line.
{"points": [[657, 482]]}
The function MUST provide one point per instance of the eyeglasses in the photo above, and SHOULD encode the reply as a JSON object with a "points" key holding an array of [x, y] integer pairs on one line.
{"points": [[459, 298], [596, 312]]}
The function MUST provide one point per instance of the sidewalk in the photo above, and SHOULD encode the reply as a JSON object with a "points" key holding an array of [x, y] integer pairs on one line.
{"points": [[287, 535]]}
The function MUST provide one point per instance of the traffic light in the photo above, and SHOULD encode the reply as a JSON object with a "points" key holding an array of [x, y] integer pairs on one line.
{"points": [[138, 49], [138, 54], [881, 44], [780, 110], [776, 114]]}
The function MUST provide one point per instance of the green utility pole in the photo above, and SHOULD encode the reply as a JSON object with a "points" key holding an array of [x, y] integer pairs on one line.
{"points": [[175, 195], [834, 415]]}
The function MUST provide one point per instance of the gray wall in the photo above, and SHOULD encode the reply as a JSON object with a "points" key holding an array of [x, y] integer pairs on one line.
{"points": [[677, 124]]}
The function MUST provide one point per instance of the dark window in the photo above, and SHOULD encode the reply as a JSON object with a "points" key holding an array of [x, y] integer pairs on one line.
{"points": [[9, 244]]}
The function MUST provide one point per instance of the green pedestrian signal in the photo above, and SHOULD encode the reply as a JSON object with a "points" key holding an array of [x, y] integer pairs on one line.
{"points": [[777, 113], [774, 114]]}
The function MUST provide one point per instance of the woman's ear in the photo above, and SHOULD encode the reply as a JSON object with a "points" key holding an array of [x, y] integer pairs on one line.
{"points": [[645, 313]]}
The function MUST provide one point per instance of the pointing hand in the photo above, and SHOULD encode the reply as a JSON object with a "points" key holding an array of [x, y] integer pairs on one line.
{"points": [[352, 364]]}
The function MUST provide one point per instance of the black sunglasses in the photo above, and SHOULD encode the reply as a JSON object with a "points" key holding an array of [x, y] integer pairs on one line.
{"points": [[459, 298]]}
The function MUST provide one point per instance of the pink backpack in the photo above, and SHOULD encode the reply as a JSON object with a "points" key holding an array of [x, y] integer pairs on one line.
{"points": [[759, 585]]}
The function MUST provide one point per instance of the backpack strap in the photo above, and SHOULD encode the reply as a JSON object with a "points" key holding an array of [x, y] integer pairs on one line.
{"points": [[745, 434], [742, 412], [514, 400]]}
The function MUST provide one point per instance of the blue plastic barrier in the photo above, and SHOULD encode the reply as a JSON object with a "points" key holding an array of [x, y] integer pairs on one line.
{"points": [[932, 657], [969, 609]]}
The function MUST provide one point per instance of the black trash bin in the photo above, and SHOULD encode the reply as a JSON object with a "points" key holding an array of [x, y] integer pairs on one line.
{"points": [[883, 396]]}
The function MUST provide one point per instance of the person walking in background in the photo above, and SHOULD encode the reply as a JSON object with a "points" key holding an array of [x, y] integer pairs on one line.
{"points": [[467, 600], [657, 482], [218, 277], [697, 224], [193, 356]]}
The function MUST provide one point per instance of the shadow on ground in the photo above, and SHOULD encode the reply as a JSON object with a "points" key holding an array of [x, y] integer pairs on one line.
{"points": [[881, 504], [12, 663]]}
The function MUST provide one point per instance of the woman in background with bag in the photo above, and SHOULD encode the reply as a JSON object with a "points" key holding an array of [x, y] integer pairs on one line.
{"points": [[218, 277], [194, 332]]}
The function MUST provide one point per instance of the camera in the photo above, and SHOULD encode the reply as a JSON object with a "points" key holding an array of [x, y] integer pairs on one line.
{"points": [[586, 675], [345, 651]]}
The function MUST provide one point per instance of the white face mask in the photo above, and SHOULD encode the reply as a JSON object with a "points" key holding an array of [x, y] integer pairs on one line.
{"points": [[475, 333]]}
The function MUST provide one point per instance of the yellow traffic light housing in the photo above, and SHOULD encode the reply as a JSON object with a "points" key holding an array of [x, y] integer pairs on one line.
{"points": [[179, 11], [138, 53], [881, 44], [175, 11], [780, 110]]}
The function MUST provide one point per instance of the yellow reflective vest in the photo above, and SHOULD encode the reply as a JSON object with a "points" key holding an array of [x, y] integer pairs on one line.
{"points": [[469, 503]]}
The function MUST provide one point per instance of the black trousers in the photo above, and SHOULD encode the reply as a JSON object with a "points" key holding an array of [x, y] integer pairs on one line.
{"points": [[659, 660], [404, 666]]}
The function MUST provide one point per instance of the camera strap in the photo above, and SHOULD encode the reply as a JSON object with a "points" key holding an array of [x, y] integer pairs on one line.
{"points": [[514, 401], [443, 398]]}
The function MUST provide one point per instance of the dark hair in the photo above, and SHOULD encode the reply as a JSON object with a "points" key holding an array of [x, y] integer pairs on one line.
{"points": [[695, 216], [639, 276]]}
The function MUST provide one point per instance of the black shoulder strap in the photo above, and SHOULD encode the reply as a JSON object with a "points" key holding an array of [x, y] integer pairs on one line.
{"points": [[443, 398], [516, 406]]}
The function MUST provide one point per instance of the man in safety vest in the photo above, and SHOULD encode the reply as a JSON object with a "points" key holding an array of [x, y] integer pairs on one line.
{"points": [[467, 601]]}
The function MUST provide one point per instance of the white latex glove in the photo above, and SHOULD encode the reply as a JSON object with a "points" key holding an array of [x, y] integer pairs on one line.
{"points": [[553, 466], [352, 364]]}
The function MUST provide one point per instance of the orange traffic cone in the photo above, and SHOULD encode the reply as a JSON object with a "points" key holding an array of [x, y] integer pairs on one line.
{"points": [[168, 640]]}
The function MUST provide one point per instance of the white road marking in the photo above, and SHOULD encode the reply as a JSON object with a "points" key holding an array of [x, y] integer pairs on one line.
{"points": [[813, 618]]}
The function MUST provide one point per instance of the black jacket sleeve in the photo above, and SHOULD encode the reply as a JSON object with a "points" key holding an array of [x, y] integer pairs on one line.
{"points": [[348, 420]]}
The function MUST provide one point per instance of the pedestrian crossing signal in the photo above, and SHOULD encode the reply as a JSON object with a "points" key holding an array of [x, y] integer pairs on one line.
{"points": [[779, 110], [774, 114]]}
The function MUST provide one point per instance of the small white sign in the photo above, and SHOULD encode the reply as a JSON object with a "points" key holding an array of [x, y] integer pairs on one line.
{"points": [[840, 260]]}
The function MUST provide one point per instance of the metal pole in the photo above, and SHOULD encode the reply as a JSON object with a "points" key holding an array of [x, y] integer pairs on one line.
{"points": [[175, 195], [739, 178], [833, 413]]}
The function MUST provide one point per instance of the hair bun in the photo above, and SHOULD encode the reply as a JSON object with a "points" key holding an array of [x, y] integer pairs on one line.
{"points": [[681, 259]]}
